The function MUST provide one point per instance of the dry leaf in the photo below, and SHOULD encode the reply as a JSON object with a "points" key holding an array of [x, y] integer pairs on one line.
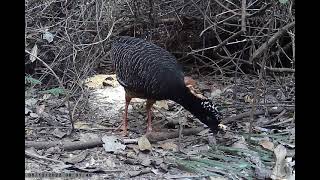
{"points": [[46, 96], [34, 115], [47, 36], [267, 144], [223, 127], [40, 109], [216, 93], [240, 144], [279, 170], [81, 125], [144, 144], [27, 111], [34, 53], [112, 144], [169, 146], [248, 99], [162, 104], [96, 81], [56, 132], [77, 158], [146, 162]]}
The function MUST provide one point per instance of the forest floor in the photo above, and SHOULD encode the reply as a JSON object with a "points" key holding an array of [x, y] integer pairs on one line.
{"points": [[97, 149]]}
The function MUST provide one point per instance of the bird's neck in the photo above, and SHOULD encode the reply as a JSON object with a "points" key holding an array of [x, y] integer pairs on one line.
{"points": [[190, 102]]}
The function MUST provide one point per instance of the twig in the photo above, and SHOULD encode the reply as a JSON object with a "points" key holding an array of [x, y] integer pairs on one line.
{"points": [[256, 96], [275, 118], [33, 155], [60, 83], [279, 123], [243, 15], [215, 48], [271, 41], [155, 137], [280, 70], [256, 113]]}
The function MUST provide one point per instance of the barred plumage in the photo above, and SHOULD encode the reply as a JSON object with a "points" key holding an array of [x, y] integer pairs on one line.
{"points": [[147, 71]]}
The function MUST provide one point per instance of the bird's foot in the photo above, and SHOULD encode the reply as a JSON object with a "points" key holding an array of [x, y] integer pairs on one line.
{"points": [[149, 130], [123, 129]]}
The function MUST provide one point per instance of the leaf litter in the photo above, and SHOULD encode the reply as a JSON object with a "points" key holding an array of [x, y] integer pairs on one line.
{"points": [[232, 156]]}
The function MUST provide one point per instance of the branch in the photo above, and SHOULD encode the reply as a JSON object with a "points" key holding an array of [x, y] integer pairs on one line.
{"points": [[71, 146], [243, 16], [215, 48], [247, 114], [272, 40], [288, 70]]}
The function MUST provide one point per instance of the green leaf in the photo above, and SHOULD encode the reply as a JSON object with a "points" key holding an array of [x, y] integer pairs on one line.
{"points": [[31, 80], [283, 1], [54, 91]]}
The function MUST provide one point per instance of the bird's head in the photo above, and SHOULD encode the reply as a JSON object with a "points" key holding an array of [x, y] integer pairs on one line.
{"points": [[210, 115]]}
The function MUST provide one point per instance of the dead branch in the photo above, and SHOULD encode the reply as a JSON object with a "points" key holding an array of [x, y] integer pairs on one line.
{"points": [[288, 70], [71, 146], [243, 15], [215, 48], [241, 116], [66, 145], [155, 137], [34, 155], [272, 40]]}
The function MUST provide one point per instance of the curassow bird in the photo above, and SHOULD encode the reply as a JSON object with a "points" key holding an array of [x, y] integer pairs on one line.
{"points": [[147, 71]]}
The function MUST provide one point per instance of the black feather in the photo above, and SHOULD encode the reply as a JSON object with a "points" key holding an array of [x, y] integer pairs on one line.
{"points": [[147, 69]]}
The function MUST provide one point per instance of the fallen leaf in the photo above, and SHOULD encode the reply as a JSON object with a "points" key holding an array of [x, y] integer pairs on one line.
{"points": [[34, 115], [81, 125], [267, 144], [30, 102], [146, 162], [46, 96], [48, 36], [203, 132], [144, 144], [241, 143], [162, 104], [53, 150], [56, 132], [34, 53], [279, 171], [248, 99], [217, 178], [134, 173], [40, 109], [137, 173], [216, 93], [27, 111], [131, 154], [77, 158], [112, 144], [169, 146], [223, 127]]}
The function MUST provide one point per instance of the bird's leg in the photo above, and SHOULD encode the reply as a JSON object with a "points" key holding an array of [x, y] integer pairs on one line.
{"points": [[148, 107], [124, 123]]}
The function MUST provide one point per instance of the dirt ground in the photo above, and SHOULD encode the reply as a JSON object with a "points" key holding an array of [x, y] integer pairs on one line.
{"points": [[95, 146]]}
